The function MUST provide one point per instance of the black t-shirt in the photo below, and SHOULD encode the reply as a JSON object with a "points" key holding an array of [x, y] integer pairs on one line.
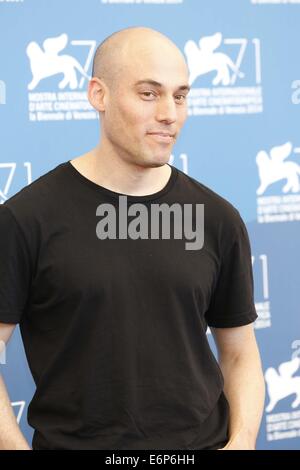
{"points": [[114, 330]]}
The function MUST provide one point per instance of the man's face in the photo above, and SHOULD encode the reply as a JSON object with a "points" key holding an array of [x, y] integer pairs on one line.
{"points": [[147, 100]]}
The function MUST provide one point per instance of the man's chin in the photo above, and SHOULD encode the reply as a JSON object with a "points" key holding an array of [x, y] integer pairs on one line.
{"points": [[159, 161], [156, 164]]}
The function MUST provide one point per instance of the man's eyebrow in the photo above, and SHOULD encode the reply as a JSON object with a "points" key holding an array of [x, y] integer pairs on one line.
{"points": [[149, 81]]}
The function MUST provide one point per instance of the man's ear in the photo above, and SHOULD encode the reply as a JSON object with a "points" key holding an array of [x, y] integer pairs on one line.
{"points": [[97, 93]]}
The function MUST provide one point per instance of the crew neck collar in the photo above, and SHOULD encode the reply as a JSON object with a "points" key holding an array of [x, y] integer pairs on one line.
{"points": [[101, 189]]}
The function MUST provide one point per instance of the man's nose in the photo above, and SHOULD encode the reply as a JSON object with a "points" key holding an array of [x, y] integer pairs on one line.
{"points": [[166, 110]]}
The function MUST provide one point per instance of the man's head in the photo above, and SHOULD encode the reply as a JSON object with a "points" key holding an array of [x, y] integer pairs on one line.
{"points": [[131, 110]]}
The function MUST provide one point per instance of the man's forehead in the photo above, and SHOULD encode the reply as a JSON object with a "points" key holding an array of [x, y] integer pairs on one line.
{"points": [[157, 73]]}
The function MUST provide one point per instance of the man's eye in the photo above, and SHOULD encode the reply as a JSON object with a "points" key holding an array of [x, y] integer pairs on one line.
{"points": [[148, 93], [181, 96]]}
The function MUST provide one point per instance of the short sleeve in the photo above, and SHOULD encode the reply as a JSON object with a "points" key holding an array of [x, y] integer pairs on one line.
{"points": [[15, 272], [232, 302]]}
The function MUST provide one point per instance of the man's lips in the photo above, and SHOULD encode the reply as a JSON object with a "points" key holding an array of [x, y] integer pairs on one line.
{"points": [[164, 137], [162, 133]]}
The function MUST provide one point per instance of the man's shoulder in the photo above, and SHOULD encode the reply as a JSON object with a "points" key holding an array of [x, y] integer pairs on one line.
{"points": [[222, 221], [216, 205]]}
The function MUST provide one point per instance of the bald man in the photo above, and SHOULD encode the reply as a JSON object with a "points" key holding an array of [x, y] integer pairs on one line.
{"points": [[114, 319]]}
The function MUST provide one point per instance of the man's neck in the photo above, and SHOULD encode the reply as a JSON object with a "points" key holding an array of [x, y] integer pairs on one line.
{"points": [[121, 177]]}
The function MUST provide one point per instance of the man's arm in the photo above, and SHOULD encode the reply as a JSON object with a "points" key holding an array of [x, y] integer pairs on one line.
{"points": [[11, 437], [244, 384]]}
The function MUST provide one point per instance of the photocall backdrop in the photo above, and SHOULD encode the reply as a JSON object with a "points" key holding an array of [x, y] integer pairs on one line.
{"points": [[241, 139]]}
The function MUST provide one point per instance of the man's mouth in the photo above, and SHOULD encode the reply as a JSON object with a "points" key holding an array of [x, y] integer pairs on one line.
{"points": [[164, 137]]}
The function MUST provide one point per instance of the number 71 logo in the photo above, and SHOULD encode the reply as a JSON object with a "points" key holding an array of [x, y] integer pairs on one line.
{"points": [[11, 167]]}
